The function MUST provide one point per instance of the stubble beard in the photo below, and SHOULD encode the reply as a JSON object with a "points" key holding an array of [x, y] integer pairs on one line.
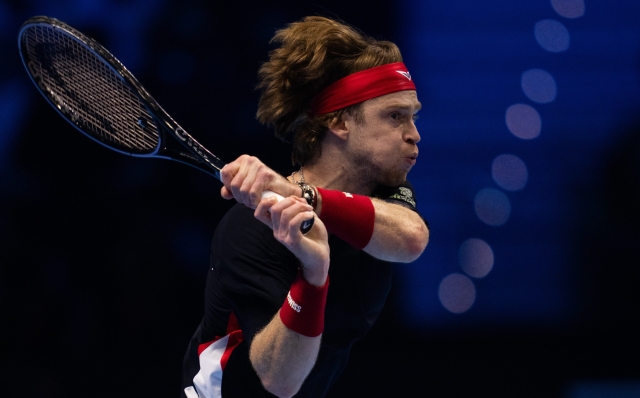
{"points": [[372, 175]]}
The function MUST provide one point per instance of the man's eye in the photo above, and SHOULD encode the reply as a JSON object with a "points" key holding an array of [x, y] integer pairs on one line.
{"points": [[395, 116], [416, 117]]}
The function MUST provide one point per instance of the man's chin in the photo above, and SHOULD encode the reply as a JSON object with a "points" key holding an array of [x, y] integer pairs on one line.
{"points": [[393, 179]]}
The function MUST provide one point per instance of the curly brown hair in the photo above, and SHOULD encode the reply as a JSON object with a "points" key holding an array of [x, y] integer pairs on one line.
{"points": [[312, 54]]}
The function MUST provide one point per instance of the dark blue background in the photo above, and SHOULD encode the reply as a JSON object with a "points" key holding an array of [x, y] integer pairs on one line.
{"points": [[103, 257], [469, 58]]}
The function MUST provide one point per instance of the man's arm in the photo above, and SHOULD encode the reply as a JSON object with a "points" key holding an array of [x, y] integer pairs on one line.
{"points": [[399, 234], [282, 357]]}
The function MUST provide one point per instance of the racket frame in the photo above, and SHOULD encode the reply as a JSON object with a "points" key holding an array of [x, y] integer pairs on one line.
{"points": [[196, 155]]}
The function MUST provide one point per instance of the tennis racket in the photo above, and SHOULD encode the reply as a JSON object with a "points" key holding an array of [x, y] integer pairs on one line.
{"points": [[94, 92]]}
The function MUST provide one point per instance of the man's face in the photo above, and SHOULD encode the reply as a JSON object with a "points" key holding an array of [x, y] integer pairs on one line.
{"points": [[383, 144]]}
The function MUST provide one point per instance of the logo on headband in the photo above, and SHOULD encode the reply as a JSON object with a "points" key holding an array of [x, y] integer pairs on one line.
{"points": [[405, 74]]}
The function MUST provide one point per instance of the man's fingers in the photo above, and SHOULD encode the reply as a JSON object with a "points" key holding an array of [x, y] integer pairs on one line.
{"points": [[245, 179], [248, 188], [262, 177], [284, 215], [224, 192], [262, 211], [228, 172], [235, 185]]}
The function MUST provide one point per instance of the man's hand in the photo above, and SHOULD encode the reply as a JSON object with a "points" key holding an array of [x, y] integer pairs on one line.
{"points": [[247, 177], [312, 249]]}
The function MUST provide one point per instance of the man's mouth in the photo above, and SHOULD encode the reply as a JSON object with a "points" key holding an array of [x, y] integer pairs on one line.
{"points": [[411, 159]]}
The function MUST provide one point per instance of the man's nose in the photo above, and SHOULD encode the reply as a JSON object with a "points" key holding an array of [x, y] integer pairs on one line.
{"points": [[412, 135]]}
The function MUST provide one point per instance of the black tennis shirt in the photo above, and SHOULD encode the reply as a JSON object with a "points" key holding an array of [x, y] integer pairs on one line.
{"points": [[248, 281]]}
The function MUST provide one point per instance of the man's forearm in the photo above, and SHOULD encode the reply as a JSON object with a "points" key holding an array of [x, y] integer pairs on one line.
{"points": [[399, 234], [390, 231], [283, 358]]}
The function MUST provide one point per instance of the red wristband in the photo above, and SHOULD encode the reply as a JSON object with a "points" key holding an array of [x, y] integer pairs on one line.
{"points": [[303, 309], [350, 217]]}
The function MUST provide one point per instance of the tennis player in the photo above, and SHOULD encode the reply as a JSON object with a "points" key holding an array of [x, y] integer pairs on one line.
{"points": [[283, 308]]}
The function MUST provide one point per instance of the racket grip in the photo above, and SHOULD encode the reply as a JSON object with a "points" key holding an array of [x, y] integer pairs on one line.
{"points": [[306, 225]]}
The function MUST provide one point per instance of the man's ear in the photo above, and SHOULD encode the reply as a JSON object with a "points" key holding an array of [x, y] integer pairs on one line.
{"points": [[340, 126]]}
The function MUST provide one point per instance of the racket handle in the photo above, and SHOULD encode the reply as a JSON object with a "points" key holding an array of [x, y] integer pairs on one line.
{"points": [[306, 225]]}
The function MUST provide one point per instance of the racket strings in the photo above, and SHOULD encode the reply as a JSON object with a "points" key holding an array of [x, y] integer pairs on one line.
{"points": [[88, 91]]}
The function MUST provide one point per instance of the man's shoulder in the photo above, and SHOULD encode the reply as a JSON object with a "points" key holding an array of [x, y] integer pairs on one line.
{"points": [[403, 194]]}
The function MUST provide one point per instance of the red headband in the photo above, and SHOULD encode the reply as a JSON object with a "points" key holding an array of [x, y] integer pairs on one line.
{"points": [[362, 86]]}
